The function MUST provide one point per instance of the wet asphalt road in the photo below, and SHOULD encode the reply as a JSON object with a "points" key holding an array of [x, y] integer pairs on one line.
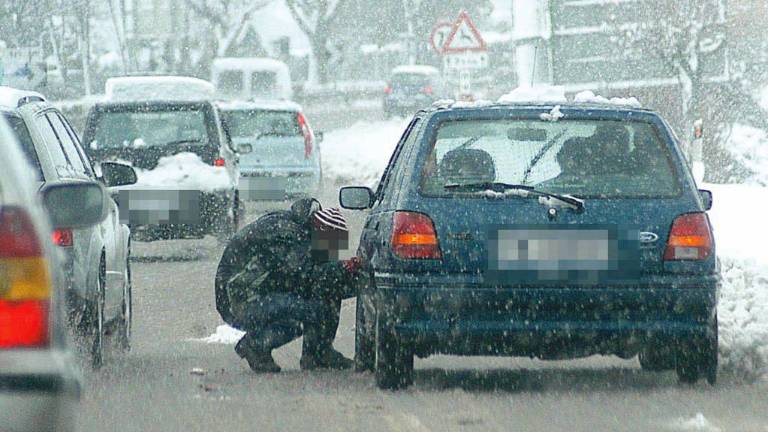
{"points": [[152, 389]]}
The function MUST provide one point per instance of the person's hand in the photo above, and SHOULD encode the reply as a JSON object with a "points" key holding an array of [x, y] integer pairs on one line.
{"points": [[353, 265]]}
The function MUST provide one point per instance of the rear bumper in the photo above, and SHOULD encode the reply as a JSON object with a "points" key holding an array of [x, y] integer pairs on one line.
{"points": [[545, 321], [39, 390]]}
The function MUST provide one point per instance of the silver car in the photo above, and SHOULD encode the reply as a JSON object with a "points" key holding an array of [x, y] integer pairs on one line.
{"points": [[95, 258], [39, 379], [280, 154]]}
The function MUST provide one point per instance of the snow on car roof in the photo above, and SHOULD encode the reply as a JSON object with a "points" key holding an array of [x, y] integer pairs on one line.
{"points": [[260, 104], [9, 96], [145, 88], [249, 63], [415, 69], [535, 94], [590, 97]]}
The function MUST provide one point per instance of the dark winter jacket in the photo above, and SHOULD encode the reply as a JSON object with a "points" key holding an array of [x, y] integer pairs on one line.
{"points": [[273, 255]]}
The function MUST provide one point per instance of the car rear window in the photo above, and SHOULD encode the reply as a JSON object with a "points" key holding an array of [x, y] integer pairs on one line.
{"points": [[585, 158], [409, 79], [262, 123], [19, 129], [139, 128]]}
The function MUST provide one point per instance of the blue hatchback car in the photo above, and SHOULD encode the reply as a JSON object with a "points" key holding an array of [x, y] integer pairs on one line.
{"points": [[547, 231]]}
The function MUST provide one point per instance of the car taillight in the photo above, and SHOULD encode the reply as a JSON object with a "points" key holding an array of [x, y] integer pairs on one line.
{"points": [[308, 136], [387, 90], [427, 89], [25, 284], [219, 162], [63, 237], [690, 238], [414, 236]]}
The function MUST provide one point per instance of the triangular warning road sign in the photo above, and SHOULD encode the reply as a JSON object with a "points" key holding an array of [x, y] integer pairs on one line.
{"points": [[464, 36]]}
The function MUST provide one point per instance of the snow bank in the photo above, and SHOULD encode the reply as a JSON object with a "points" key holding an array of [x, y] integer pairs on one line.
{"points": [[224, 335], [588, 96], [696, 423], [183, 171], [535, 94], [358, 155], [737, 220], [749, 147]]}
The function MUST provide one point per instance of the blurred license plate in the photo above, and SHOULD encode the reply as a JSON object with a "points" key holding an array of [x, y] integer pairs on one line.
{"points": [[263, 188], [554, 250], [159, 207], [576, 253]]}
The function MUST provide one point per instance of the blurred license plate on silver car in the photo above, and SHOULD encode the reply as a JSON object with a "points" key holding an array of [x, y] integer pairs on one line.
{"points": [[263, 188]]}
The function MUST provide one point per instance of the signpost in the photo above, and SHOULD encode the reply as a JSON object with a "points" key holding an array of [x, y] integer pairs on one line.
{"points": [[439, 35], [463, 51]]}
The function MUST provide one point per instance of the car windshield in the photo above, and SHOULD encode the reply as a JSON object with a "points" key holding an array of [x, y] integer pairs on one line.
{"points": [[260, 123], [140, 128], [585, 158]]}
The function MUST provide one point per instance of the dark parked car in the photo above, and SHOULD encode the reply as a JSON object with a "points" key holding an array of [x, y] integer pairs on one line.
{"points": [[541, 231], [203, 201], [95, 258], [411, 88], [39, 379]]}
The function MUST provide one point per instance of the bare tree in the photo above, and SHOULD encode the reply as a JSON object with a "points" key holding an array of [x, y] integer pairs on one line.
{"points": [[227, 20], [685, 36], [316, 19]]}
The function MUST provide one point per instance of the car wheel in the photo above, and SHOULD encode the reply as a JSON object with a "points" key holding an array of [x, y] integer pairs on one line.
{"points": [[394, 362], [698, 358], [97, 322], [365, 355], [126, 319]]}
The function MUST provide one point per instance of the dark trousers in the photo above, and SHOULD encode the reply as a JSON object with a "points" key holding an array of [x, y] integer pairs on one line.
{"points": [[273, 320]]}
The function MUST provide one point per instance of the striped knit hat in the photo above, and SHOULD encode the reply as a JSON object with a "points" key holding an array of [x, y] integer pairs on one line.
{"points": [[329, 219]]}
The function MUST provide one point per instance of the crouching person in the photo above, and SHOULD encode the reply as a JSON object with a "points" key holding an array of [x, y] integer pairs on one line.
{"points": [[280, 278]]}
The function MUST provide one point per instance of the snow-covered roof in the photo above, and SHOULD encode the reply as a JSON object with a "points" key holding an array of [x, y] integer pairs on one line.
{"points": [[142, 88], [260, 104], [588, 96], [416, 69], [9, 96], [249, 63], [535, 94]]}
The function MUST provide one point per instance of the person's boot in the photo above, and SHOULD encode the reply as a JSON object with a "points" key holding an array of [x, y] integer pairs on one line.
{"points": [[259, 361], [327, 358]]}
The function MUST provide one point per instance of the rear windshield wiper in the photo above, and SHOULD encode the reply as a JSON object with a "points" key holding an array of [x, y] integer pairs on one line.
{"points": [[499, 187], [185, 141]]}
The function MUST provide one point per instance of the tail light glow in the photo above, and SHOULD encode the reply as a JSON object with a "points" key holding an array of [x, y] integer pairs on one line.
{"points": [[427, 89], [306, 131], [219, 162], [25, 283], [414, 236], [388, 90], [63, 237], [690, 238]]}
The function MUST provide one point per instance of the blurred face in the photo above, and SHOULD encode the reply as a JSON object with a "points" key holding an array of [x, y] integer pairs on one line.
{"points": [[327, 244]]}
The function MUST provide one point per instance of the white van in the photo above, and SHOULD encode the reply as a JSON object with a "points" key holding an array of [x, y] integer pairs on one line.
{"points": [[251, 78]]}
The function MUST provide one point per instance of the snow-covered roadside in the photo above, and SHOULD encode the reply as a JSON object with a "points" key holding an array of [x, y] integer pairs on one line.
{"points": [[742, 245], [358, 155]]}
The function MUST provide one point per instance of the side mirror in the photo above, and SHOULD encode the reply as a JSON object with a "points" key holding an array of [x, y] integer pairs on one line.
{"points": [[117, 174], [706, 198], [356, 197], [244, 148], [319, 136], [75, 204]]}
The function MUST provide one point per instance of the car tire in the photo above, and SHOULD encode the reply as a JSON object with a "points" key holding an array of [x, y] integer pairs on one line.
{"points": [[698, 358], [365, 354], [125, 325], [394, 361], [97, 322]]}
